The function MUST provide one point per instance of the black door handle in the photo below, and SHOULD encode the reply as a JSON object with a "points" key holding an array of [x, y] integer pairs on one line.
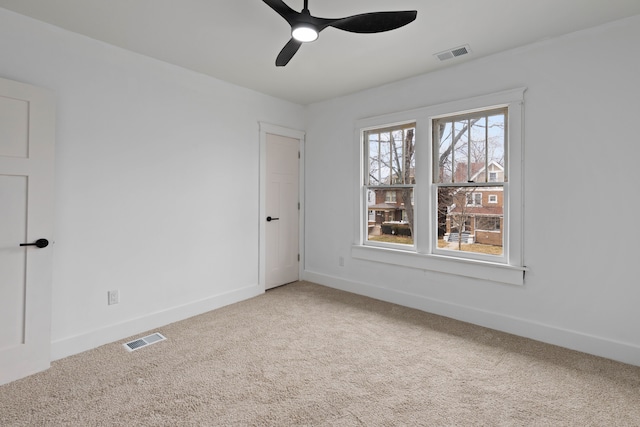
{"points": [[269, 219], [41, 243]]}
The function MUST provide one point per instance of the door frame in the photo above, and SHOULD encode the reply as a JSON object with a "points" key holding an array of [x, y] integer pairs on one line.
{"points": [[264, 129]]}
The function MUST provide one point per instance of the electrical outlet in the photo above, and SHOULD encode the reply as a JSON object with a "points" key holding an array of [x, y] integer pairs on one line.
{"points": [[114, 297]]}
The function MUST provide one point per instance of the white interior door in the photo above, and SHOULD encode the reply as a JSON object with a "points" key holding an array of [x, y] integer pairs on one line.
{"points": [[26, 210], [282, 223]]}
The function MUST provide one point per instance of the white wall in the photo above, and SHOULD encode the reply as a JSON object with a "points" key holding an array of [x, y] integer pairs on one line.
{"points": [[156, 183], [581, 157]]}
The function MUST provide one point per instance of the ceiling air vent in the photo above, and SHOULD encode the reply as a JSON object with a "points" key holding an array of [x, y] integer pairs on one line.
{"points": [[144, 341], [453, 53]]}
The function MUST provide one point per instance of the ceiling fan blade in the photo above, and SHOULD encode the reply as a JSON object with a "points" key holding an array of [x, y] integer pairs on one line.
{"points": [[287, 52], [283, 10], [375, 22]]}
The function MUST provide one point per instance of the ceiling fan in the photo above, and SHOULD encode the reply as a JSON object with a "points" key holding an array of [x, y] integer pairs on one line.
{"points": [[305, 28]]}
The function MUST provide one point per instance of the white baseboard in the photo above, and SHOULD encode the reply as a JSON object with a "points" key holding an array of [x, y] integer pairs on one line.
{"points": [[598, 346], [72, 345]]}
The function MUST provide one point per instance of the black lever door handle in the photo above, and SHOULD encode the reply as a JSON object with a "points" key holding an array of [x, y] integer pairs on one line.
{"points": [[40, 243], [269, 219]]}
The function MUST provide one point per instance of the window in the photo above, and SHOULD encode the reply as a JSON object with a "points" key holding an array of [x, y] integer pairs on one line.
{"points": [[370, 197], [488, 223], [474, 199], [390, 197], [465, 146], [455, 171], [390, 167]]}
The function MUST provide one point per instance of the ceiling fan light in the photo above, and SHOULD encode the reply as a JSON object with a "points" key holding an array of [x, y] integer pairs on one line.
{"points": [[304, 33]]}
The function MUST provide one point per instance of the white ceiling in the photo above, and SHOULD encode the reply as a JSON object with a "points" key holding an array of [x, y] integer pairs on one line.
{"points": [[238, 40]]}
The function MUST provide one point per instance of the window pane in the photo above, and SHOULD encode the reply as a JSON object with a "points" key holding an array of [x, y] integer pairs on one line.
{"points": [[461, 151], [410, 158], [374, 177], [391, 156], [495, 146], [467, 224], [470, 148], [397, 165], [389, 218], [444, 136], [380, 159], [478, 150]]}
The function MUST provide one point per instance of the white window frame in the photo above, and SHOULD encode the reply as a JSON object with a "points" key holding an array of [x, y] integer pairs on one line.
{"points": [[492, 198], [424, 254]]}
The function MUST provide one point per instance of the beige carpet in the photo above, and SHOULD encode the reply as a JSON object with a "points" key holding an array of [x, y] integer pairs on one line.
{"points": [[304, 354]]}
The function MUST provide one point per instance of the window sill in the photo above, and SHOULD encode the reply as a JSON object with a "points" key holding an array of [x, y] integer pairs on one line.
{"points": [[494, 272]]}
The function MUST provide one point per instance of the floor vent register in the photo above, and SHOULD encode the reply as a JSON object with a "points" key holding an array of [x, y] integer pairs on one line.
{"points": [[144, 341]]}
